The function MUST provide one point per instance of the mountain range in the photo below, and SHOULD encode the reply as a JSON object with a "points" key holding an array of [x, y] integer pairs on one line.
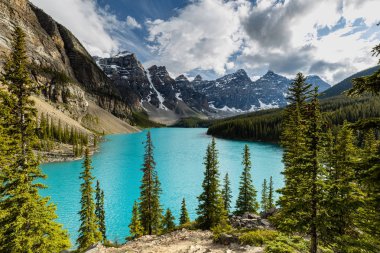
{"points": [[116, 93], [234, 93]]}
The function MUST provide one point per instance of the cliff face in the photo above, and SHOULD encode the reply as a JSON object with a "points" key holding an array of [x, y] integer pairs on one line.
{"points": [[58, 60]]}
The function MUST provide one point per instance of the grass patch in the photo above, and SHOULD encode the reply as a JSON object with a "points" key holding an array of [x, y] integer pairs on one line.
{"points": [[258, 237]]}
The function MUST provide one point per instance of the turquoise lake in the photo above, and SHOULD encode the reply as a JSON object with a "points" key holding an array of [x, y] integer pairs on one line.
{"points": [[179, 156]]}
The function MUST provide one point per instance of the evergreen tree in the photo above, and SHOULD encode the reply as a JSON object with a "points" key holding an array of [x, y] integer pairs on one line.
{"points": [[302, 194], [168, 221], [150, 208], [344, 196], [227, 193], [314, 172], [135, 228], [99, 210], [211, 211], [246, 201], [27, 221], [270, 201], [89, 233], [184, 219], [264, 196]]}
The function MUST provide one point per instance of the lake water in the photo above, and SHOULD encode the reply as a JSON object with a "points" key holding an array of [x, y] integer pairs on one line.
{"points": [[179, 156]]}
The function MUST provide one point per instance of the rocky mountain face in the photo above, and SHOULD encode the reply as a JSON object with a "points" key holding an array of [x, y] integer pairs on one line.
{"points": [[231, 94], [237, 93], [60, 64], [154, 88]]}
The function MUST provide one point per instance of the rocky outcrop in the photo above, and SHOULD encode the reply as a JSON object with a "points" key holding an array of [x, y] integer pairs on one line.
{"points": [[249, 221], [156, 91], [58, 60]]}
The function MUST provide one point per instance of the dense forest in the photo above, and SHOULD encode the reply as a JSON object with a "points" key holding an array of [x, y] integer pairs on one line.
{"points": [[266, 125]]}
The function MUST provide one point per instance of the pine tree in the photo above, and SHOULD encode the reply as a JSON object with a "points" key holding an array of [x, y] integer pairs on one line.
{"points": [[99, 210], [135, 228], [246, 201], [89, 233], [264, 196], [211, 211], [344, 196], [227, 193], [168, 221], [150, 208], [27, 221], [184, 219], [314, 172], [270, 194], [302, 195]]}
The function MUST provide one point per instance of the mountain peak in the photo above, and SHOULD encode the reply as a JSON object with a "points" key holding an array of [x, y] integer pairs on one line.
{"points": [[198, 78], [181, 78]]}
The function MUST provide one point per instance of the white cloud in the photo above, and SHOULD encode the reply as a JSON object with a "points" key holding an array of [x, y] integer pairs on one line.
{"points": [[284, 37], [132, 22], [85, 21], [203, 36]]}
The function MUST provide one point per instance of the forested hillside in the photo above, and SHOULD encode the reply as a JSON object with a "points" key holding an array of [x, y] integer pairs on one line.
{"points": [[346, 84], [266, 125]]}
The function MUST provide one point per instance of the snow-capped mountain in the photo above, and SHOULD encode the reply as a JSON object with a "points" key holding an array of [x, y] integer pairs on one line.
{"points": [[156, 90], [237, 93], [234, 93]]}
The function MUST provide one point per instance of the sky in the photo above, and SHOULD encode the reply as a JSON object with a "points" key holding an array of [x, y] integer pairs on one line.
{"points": [[329, 38]]}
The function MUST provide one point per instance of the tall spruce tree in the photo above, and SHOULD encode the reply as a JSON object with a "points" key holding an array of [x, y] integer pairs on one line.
{"points": [[211, 211], [344, 197], [314, 172], [150, 189], [99, 210], [184, 218], [135, 228], [246, 201], [168, 221], [227, 193], [264, 196], [270, 194], [89, 232], [301, 139], [27, 221]]}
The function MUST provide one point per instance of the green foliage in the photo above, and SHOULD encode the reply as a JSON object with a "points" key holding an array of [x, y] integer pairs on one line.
{"points": [[99, 210], [50, 131], [270, 201], [227, 193], [141, 119], [211, 211], [288, 244], [301, 198], [27, 221], [89, 233], [184, 218], [246, 201], [150, 190], [258, 237], [266, 125], [264, 196], [192, 122], [168, 221], [135, 228]]}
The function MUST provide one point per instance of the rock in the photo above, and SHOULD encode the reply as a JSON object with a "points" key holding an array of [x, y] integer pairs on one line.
{"points": [[227, 239], [249, 221]]}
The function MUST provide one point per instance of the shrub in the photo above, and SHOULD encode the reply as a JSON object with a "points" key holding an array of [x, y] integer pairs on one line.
{"points": [[287, 244], [258, 237]]}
